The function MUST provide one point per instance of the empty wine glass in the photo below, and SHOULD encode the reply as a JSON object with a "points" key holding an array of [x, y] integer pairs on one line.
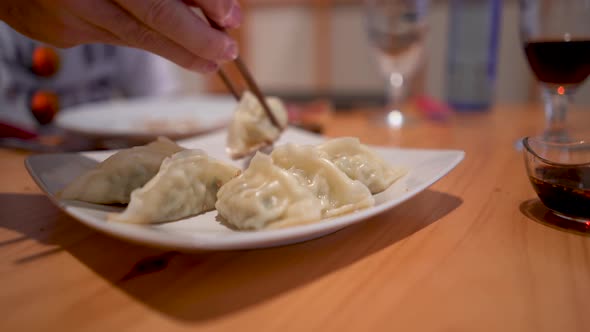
{"points": [[556, 38], [397, 30]]}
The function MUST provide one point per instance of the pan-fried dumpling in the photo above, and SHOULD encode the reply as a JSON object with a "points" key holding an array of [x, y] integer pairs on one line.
{"points": [[113, 180], [186, 185], [360, 163], [337, 193], [265, 195], [251, 129]]}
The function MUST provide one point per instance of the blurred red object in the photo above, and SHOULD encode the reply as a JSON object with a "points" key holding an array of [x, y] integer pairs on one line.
{"points": [[45, 61], [433, 109], [8, 130], [44, 106]]}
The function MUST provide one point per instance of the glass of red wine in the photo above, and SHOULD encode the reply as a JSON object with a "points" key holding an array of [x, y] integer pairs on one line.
{"points": [[556, 37]]}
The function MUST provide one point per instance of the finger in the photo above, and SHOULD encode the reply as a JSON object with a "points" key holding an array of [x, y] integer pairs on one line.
{"points": [[176, 20], [226, 13], [172, 52], [60, 28], [131, 32]]}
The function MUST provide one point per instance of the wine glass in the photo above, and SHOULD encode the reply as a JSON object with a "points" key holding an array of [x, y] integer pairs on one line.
{"points": [[397, 33], [556, 37]]}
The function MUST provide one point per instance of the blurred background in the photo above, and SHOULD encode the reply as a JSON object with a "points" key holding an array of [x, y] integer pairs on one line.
{"points": [[413, 56], [305, 49]]}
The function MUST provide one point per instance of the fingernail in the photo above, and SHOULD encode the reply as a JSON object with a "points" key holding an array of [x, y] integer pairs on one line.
{"points": [[208, 68], [233, 18], [231, 51]]}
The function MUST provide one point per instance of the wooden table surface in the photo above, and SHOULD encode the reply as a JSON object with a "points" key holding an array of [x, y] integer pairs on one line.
{"points": [[469, 254]]}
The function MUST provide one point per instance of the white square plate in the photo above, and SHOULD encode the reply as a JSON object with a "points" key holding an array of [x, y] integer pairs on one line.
{"points": [[53, 171]]}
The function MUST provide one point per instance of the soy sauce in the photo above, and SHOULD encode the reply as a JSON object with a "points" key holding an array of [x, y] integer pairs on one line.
{"points": [[564, 190]]}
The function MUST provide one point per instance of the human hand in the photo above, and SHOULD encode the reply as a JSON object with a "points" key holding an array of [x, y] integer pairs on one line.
{"points": [[168, 28]]}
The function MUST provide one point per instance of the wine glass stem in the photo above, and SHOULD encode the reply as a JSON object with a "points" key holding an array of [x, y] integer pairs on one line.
{"points": [[395, 93], [556, 105]]}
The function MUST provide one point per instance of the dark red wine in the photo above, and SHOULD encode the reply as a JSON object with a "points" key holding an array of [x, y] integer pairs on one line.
{"points": [[559, 62], [564, 190]]}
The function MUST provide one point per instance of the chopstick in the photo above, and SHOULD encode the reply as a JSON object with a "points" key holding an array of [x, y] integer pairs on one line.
{"points": [[248, 78], [228, 84], [256, 90]]}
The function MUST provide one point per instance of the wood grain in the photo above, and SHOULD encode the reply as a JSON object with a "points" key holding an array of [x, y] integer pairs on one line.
{"points": [[461, 256]]}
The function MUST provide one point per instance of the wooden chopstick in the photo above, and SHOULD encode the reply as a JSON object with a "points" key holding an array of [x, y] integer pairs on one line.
{"points": [[256, 90], [250, 82], [229, 84]]}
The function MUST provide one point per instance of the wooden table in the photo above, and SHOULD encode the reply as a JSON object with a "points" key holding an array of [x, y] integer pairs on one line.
{"points": [[461, 256]]}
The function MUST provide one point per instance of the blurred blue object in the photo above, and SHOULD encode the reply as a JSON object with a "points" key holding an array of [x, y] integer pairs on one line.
{"points": [[472, 57]]}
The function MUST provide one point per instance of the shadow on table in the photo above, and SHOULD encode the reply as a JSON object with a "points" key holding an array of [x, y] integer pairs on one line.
{"points": [[536, 211], [207, 285]]}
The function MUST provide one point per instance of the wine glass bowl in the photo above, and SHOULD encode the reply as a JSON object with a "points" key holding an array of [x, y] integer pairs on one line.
{"points": [[560, 175], [556, 40], [559, 63]]}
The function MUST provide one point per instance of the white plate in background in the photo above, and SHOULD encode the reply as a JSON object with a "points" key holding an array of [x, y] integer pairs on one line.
{"points": [[147, 118], [203, 232]]}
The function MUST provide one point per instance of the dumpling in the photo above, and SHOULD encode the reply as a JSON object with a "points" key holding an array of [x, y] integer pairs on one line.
{"points": [[360, 163], [113, 180], [266, 196], [186, 185], [251, 129], [338, 193]]}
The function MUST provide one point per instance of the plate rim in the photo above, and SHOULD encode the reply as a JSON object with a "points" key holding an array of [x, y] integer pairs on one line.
{"points": [[98, 133]]}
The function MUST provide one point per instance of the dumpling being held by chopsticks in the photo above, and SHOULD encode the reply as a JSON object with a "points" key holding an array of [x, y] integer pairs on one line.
{"points": [[186, 185], [251, 129], [113, 180]]}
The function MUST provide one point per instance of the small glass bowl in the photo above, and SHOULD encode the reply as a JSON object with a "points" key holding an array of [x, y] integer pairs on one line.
{"points": [[560, 174]]}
